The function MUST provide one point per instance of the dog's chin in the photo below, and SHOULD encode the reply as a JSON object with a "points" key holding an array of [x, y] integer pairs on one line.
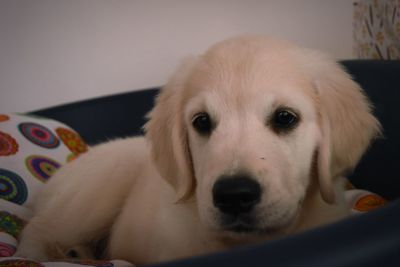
{"points": [[245, 227], [242, 234]]}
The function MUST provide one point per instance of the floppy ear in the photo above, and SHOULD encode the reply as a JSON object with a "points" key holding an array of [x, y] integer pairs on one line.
{"points": [[346, 122], [167, 135]]}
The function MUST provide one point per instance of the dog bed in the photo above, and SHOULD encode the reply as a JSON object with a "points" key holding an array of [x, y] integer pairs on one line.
{"points": [[31, 151]]}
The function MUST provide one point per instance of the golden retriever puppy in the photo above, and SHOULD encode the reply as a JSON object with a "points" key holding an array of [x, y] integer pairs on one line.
{"points": [[246, 142]]}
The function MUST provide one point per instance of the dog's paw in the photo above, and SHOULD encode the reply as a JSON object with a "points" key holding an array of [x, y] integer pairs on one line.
{"points": [[81, 252], [32, 253]]}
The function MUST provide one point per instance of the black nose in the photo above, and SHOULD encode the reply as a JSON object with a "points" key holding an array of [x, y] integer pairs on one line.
{"points": [[236, 194]]}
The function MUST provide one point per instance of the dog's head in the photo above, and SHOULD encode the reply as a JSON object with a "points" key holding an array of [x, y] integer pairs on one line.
{"points": [[245, 127]]}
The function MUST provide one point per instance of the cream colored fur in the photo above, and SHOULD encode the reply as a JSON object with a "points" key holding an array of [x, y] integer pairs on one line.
{"points": [[152, 197]]}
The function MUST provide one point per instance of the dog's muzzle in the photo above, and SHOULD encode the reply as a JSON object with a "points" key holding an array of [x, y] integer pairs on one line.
{"points": [[235, 197]]}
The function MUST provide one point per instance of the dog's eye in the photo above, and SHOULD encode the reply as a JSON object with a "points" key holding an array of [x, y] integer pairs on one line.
{"points": [[202, 123], [284, 119]]}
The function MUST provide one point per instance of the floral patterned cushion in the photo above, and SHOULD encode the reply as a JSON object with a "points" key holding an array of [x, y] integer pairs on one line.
{"points": [[31, 151]]}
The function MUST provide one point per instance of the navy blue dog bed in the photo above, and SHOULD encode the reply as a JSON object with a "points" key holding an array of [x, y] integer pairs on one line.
{"points": [[371, 239]]}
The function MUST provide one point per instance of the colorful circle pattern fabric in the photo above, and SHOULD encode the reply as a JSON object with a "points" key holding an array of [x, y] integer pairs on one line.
{"points": [[6, 250], [369, 202], [39, 135], [4, 117], [8, 145], [20, 263], [71, 157], [41, 167], [12, 187], [11, 224], [72, 140]]}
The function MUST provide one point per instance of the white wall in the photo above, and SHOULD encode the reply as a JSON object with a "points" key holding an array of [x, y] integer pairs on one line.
{"points": [[58, 51]]}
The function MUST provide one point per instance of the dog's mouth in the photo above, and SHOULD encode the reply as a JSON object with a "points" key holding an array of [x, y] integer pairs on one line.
{"points": [[241, 223], [242, 228]]}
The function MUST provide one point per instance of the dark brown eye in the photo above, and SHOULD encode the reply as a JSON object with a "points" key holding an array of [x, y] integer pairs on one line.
{"points": [[202, 123], [284, 119]]}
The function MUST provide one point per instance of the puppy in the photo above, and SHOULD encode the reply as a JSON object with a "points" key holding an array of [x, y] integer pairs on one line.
{"points": [[246, 143]]}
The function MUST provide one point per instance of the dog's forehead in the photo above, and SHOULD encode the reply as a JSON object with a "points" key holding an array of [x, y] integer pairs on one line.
{"points": [[243, 73], [249, 44], [249, 62]]}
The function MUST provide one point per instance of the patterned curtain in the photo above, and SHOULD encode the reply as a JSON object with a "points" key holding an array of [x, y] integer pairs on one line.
{"points": [[377, 29]]}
